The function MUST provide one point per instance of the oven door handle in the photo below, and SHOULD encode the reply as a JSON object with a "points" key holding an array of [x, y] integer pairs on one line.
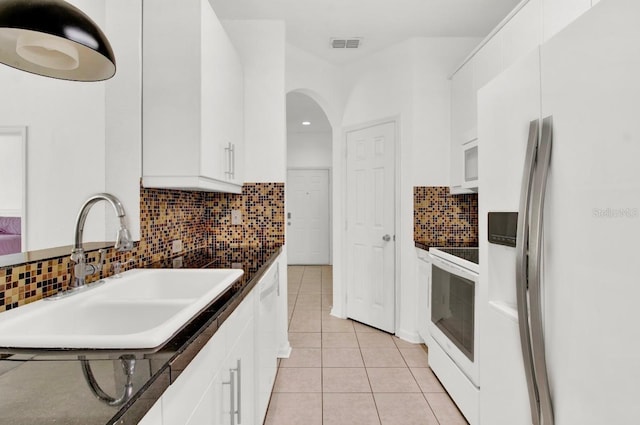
{"points": [[453, 269]]}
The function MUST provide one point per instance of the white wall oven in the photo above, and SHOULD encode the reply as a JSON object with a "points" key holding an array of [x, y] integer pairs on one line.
{"points": [[453, 321]]}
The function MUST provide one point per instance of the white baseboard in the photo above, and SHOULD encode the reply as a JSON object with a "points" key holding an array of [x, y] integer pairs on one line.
{"points": [[412, 337], [338, 314], [285, 351]]}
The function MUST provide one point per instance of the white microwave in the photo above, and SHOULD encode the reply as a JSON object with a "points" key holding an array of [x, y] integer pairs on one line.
{"points": [[470, 164]]}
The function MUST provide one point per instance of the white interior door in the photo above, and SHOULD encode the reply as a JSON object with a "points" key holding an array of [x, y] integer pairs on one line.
{"points": [[370, 226], [308, 216]]}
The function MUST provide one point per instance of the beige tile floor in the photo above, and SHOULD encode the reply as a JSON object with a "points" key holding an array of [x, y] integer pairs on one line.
{"points": [[342, 372]]}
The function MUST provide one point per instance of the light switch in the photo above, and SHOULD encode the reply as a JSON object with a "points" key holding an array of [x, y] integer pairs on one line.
{"points": [[236, 217], [176, 246]]}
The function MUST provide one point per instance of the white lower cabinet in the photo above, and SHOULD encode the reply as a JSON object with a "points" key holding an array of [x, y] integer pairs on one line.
{"points": [[153, 416], [239, 368], [181, 399], [221, 385], [228, 400], [209, 409]]}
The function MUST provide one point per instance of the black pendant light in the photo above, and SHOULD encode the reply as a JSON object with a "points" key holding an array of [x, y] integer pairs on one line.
{"points": [[54, 39]]}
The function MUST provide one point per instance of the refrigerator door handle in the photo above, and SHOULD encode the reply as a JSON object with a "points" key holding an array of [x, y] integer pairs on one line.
{"points": [[522, 244], [535, 258]]}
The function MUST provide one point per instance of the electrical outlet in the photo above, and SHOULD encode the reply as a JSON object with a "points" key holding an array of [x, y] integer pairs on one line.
{"points": [[177, 262], [176, 246], [236, 265], [236, 217]]}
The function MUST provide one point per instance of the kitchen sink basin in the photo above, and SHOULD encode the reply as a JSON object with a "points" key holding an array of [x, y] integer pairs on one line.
{"points": [[139, 310]]}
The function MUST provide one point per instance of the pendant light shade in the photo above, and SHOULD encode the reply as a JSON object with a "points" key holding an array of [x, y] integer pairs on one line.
{"points": [[54, 39]]}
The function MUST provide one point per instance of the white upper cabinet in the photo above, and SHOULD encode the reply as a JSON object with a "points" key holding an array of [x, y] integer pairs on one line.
{"points": [[522, 33], [527, 27], [557, 14], [487, 64], [193, 126], [463, 105]]}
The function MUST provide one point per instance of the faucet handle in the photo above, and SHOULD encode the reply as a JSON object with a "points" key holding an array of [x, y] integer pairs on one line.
{"points": [[103, 256], [117, 268]]}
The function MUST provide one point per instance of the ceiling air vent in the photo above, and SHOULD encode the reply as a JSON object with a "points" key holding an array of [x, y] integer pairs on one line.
{"points": [[346, 43]]}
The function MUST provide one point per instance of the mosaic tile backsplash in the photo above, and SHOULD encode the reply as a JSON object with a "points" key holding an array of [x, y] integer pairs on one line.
{"points": [[199, 219], [442, 219]]}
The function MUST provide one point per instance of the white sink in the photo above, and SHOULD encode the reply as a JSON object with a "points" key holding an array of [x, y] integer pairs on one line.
{"points": [[140, 310]]}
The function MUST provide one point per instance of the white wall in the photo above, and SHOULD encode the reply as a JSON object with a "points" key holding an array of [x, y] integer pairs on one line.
{"points": [[408, 81], [261, 45], [320, 80], [123, 139], [65, 146], [307, 150], [11, 172]]}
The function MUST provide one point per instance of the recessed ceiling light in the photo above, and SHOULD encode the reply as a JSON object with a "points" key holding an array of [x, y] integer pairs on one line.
{"points": [[306, 123]]}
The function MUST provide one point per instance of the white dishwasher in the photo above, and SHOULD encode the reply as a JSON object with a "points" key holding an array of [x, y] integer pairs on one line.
{"points": [[268, 291]]}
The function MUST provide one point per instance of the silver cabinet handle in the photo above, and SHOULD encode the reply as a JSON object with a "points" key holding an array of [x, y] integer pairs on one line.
{"points": [[232, 161], [239, 389], [522, 243], [232, 393], [386, 238], [227, 150]]}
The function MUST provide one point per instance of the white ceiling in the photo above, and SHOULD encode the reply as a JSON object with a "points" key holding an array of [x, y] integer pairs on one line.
{"points": [[381, 23], [301, 107]]}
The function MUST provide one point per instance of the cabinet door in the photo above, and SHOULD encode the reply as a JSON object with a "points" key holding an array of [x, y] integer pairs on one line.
{"points": [[222, 101], [241, 358], [154, 415], [522, 33], [463, 122], [210, 409], [463, 105], [183, 395], [241, 369], [486, 66], [557, 14]]}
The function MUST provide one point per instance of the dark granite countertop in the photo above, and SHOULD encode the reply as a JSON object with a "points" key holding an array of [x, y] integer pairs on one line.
{"points": [[51, 389], [422, 245], [438, 244]]}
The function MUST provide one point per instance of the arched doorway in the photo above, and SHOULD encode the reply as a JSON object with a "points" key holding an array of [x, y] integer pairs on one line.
{"points": [[308, 185]]}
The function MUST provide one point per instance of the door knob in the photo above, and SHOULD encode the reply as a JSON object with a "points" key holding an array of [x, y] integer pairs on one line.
{"points": [[386, 238]]}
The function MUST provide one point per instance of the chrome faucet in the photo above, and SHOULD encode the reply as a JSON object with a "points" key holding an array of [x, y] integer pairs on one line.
{"points": [[80, 268]]}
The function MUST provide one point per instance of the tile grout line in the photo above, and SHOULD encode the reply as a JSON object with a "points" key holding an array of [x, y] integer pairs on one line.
{"points": [[298, 307], [295, 303]]}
